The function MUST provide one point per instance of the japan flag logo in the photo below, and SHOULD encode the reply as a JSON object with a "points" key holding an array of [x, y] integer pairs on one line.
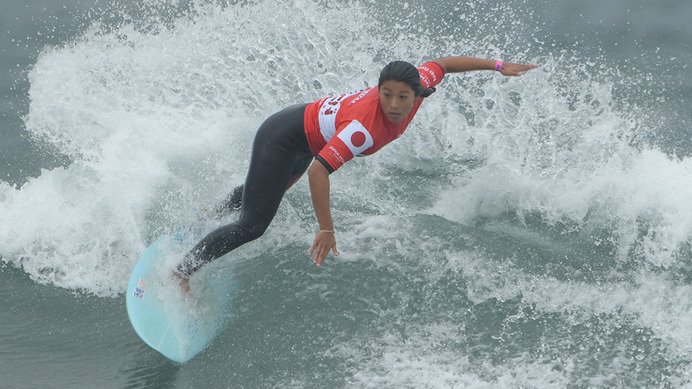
{"points": [[356, 137]]}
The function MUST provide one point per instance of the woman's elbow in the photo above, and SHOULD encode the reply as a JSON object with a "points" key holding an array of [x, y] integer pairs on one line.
{"points": [[318, 169]]}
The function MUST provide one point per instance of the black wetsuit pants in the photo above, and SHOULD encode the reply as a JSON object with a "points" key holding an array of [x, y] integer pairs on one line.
{"points": [[280, 156]]}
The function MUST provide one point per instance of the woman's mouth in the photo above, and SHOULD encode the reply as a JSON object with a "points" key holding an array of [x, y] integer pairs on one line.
{"points": [[394, 115]]}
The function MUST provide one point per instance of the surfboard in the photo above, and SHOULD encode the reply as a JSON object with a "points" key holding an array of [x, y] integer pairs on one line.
{"points": [[177, 324]]}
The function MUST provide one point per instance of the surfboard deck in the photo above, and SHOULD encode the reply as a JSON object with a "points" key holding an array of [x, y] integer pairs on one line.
{"points": [[178, 325]]}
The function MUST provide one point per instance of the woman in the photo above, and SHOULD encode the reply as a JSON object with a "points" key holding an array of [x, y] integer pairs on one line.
{"points": [[323, 136]]}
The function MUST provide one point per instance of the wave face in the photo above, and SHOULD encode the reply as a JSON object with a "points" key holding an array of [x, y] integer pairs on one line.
{"points": [[524, 232]]}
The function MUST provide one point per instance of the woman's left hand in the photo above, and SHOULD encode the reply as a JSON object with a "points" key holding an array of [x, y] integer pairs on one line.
{"points": [[515, 69]]}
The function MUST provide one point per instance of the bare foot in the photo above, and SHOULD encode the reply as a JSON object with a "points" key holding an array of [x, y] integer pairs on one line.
{"points": [[182, 281]]}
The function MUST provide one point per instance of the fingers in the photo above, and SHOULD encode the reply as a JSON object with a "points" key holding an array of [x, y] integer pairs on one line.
{"points": [[319, 257], [515, 70], [321, 246], [321, 254]]}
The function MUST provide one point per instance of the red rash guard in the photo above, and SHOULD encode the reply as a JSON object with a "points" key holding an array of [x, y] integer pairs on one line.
{"points": [[357, 120]]}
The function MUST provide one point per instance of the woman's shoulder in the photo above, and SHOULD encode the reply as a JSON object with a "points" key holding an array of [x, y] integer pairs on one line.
{"points": [[431, 74]]}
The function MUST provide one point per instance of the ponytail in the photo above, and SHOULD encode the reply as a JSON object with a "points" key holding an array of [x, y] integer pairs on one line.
{"points": [[428, 92]]}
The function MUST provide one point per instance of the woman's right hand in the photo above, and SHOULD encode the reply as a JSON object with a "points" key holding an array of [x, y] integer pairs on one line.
{"points": [[323, 243]]}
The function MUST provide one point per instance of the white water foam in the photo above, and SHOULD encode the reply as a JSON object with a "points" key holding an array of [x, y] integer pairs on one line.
{"points": [[158, 124], [574, 159]]}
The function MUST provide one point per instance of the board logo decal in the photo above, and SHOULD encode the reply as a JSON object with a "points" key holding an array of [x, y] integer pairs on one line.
{"points": [[139, 289]]}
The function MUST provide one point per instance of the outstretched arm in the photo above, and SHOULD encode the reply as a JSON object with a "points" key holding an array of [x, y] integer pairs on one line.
{"points": [[467, 64]]}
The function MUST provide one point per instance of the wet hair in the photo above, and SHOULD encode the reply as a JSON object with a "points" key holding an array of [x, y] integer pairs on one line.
{"points": [[403, 71]]}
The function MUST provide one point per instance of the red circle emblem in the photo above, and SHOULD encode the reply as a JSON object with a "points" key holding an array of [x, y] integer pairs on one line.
{"points": [[357, 139]]}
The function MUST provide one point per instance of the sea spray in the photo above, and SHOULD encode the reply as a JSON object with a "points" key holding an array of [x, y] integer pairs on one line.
{"points": [[523, 231]]}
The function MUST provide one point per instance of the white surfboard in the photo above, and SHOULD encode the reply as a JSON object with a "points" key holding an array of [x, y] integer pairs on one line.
{"points": [[178, 325]]}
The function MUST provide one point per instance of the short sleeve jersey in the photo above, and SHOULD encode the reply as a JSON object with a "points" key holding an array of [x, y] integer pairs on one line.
{"points": [[339, 128]]}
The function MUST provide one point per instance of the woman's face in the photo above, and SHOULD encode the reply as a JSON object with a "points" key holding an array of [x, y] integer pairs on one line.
{"points": [[396, 100]]}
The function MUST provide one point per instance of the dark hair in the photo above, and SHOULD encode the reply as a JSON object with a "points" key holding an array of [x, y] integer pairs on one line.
{"points": [[403, 71]]}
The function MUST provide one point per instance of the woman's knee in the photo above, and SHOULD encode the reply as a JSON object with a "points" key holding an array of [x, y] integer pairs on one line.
{"points": [[253, 231], [231, 203]]}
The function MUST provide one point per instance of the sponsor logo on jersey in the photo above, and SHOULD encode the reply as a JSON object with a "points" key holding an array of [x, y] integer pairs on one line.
{"points": [[426, 74], [337, 155], [330, 107]]}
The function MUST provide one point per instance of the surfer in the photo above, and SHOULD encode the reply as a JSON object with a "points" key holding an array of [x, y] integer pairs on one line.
{"points": [[319, 138]]}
